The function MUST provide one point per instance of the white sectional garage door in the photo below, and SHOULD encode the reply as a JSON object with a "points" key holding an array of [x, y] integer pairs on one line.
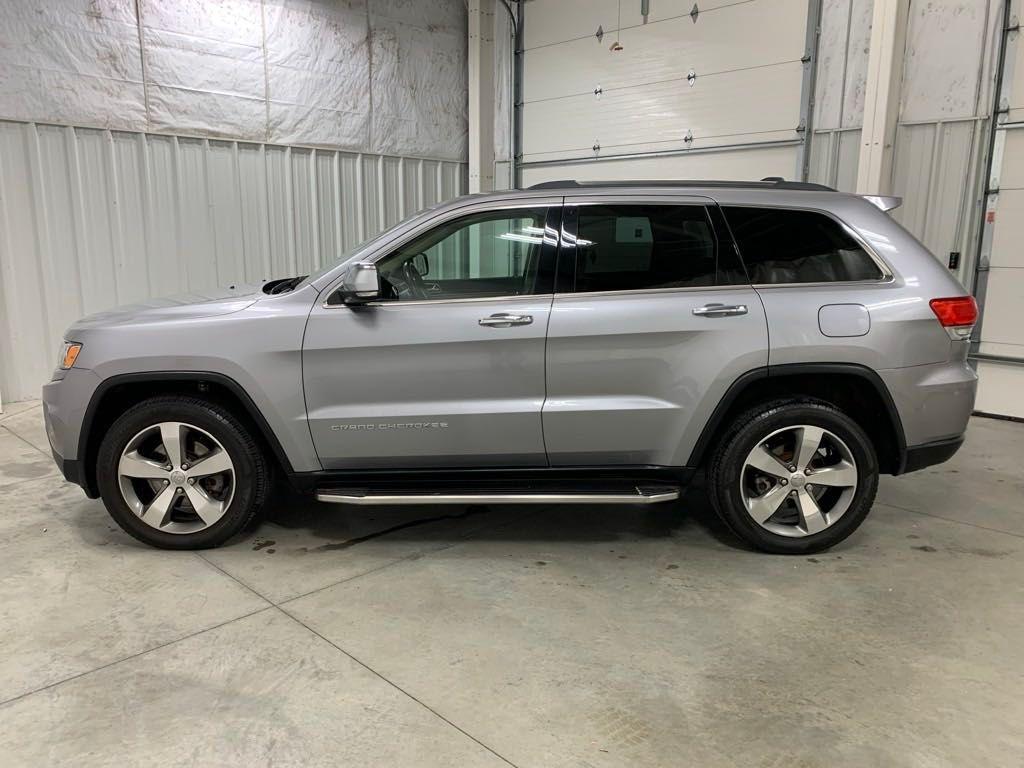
{"points": [[712, 88], [1001, 367]]}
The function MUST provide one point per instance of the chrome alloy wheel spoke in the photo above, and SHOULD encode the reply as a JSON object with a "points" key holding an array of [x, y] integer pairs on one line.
{"points": [[176, 477], [798, 480]]}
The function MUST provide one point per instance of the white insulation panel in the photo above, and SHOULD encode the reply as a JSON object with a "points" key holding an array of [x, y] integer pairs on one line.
{"points": [[90, 219], [383, 76]]}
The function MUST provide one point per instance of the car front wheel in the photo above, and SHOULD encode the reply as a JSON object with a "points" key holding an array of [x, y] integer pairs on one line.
{"points": [[794, 477], [181, 473]]}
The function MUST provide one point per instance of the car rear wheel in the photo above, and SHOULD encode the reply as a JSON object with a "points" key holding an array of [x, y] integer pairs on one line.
{"points": [[794, 477], [181, 473]]}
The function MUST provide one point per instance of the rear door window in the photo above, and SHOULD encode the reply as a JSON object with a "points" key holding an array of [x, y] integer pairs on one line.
{"points": [[628, 247], [787, 246]]}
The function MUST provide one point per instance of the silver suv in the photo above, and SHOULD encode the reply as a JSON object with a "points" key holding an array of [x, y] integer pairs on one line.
{"points": [[568, 343]]}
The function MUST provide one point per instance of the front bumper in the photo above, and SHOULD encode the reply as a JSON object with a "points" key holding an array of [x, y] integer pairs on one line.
{"points": [[73, 471], [65, 401]]}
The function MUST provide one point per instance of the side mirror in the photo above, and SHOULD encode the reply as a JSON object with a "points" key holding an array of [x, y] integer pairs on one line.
{"points": [[422, 264], [361, 284]]}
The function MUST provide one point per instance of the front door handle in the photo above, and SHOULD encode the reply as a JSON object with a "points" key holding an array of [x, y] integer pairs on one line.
{"points": [[504, 320], [720, 310]]}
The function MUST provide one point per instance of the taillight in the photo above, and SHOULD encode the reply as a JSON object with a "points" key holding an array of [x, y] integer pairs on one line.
{"points": [[957, 315]]}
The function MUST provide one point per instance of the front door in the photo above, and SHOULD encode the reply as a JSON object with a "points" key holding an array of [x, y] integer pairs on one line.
{"points": [[652, 320], [447, 369]]}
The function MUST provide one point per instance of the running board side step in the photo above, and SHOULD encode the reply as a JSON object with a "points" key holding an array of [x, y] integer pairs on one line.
{"points": [[638, 495]]}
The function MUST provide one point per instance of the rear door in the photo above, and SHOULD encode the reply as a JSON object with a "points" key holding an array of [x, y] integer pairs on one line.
{"points": [[653, 318]]}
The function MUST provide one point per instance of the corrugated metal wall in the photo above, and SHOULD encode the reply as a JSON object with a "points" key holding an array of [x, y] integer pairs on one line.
{"points": [[937, 171], [945, 101], [942, 133], [94, 218]]}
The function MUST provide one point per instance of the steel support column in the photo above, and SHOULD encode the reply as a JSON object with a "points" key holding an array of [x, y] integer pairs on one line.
{"points": [[882, 96], [481, 95]]}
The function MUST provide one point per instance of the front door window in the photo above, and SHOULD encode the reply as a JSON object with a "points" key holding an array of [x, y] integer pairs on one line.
{"points": [[490, 254]]}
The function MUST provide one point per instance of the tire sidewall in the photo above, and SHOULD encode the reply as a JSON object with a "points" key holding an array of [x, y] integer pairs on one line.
{"points": [[206, 417], [754, 428]]}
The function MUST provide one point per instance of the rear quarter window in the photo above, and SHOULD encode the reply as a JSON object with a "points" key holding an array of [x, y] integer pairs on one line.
{"points": [[788, 246]]}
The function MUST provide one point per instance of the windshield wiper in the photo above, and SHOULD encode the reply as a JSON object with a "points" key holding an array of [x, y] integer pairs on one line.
{"points": [[275, 287]]}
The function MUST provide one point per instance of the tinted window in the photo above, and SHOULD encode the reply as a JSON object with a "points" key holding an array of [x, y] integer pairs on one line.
{"points": [[631, 247], [496, 253], [780, 246]]}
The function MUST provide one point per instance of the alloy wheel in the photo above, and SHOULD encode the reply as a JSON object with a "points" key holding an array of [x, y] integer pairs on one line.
{"points": [[798, 480], [176, 477]]}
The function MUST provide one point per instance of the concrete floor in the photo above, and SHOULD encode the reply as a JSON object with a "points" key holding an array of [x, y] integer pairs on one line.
{"points": [[546, 637]]}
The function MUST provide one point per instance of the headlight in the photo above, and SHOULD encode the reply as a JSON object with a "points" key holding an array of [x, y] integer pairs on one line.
{"points": [[68, 354]]}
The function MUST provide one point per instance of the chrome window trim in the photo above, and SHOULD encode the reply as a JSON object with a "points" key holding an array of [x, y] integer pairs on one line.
{"points": [[429, 302], [648, 291], [888, 280], [888, 275]]}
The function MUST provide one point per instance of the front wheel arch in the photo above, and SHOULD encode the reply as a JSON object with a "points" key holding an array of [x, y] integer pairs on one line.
{"points": [[115, 395], [190, 462]]}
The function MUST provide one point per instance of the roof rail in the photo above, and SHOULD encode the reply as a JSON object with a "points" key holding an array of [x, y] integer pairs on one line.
{"points": [[770, 182]]}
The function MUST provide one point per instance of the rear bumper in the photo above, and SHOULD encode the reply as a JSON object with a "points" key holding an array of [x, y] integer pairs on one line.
{"points": [[934, 401], [928, 454]]}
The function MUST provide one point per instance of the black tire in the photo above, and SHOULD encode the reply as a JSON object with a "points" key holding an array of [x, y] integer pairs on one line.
{"points": [[746, 431], [252, 475]]}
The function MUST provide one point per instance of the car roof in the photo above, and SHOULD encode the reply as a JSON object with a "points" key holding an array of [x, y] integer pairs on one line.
{"points": [[769, 191]]}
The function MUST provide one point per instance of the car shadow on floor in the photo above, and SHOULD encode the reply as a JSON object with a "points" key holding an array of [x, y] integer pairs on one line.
{"points": [[344, 526], [330, 527]]}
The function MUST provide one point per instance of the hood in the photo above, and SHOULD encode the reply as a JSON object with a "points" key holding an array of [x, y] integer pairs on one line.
{"points": [[186, 306]]}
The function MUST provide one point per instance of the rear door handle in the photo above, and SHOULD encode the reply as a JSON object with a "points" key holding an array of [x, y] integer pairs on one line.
{"points": [[720, 310], [504, 320]]}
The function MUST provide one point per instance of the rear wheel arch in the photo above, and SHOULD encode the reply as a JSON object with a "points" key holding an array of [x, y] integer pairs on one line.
{"points": [[853, 389], [793, 476], [118, 394]]}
